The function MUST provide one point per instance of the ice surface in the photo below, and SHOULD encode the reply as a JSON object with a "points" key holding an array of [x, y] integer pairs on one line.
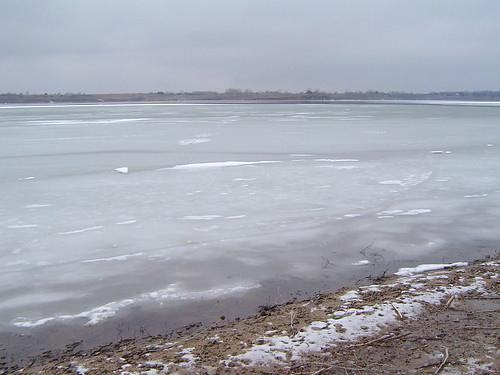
{"points": [[76, 235]]}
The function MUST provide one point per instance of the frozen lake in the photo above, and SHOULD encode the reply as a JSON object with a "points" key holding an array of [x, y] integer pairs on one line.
{"points": [[108, 207]]}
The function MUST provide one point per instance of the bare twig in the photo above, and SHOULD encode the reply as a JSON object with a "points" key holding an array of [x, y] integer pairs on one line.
{"points": [[398, 336], [385, 337], [479, 327], [448, 303], [292, 318], [446, 354], [390, 336], [400, 316], [338, 366]]}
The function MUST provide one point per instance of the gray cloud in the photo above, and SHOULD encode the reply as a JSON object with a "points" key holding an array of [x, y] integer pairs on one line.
{"points": [[147, 45]]}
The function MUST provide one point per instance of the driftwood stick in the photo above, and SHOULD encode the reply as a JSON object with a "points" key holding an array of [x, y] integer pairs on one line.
{"points": [[388, 337], [448, 303], [400, 316], [385, 337], [441, 366]]}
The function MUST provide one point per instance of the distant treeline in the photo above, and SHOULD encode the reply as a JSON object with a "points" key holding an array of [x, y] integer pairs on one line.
{"points": [[246, 95]]}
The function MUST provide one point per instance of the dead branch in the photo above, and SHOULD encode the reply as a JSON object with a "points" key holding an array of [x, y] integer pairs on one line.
{"points": [[385, 337], [400, 316], [446, 354], [448, 303], [330, 367], [390, 336]]}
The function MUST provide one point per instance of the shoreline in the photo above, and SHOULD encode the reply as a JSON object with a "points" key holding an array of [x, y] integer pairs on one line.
{"points": [[21, 345], [34, 104], [283, 338]]}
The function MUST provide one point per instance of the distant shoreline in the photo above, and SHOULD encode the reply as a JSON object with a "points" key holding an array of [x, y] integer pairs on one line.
{"points": [[238, 96], [382, 102]]}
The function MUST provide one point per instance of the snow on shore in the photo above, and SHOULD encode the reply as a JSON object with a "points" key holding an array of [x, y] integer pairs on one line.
{"points": [[354, 320]]}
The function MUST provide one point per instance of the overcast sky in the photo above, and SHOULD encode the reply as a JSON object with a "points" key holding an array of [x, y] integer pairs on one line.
{"points": [[171, 45]]}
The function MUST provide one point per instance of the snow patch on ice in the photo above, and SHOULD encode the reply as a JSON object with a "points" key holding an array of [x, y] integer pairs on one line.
{"points": [[236, 217], [172, 293], [207, 229], [22, 226], [361, 262], [126, 222], [37, 205], [337, 160], [476, 196], [201, 217], [110, 259], [347, 167], [439, 152], [122, 170], [417, 211], [409, 181], [19, 322], [428, 267], [193, 141], [350, 216], [220, 164], [243, 179], [391, 213], [97, 227]]}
